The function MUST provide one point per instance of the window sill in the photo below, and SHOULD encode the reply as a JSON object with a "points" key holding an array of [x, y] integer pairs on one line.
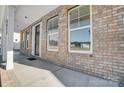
{"points": [[54, 50], [81, 52]]}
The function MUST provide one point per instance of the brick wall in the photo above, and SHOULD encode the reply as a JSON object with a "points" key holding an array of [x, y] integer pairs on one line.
{"points": [[107, 60]]}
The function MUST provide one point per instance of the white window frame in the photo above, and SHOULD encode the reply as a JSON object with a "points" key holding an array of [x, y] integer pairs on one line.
{"points": [[50, 34], [27, 39], [91, 33]]}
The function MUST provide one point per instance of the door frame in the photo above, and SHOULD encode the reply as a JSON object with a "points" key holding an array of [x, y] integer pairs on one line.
{"points": [[33, 39]]}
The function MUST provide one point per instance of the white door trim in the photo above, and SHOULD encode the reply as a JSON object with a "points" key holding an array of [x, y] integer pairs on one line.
{"points": [[33, 39], [40, 40]]}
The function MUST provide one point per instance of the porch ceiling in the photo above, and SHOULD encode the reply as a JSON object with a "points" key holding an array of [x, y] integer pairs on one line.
{"points": [[27, 14]]}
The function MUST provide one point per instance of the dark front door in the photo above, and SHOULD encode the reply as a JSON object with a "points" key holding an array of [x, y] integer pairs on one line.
{"points": [[37, 34]]}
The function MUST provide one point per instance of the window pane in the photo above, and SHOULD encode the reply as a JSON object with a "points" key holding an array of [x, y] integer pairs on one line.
{"points": [[84, 21], [53, 23], [22, 36], [74, 23], [83, 10], [49, 25], [22, 40], [27, 35], [74, 14], [80, 39], [27, 44], [53, 41], [27, 38], [22, 44]]}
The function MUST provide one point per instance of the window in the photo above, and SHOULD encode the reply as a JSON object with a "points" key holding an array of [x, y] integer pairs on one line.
{"points": [[23, 40], [80, 29], [52, 34], [27, 39]]}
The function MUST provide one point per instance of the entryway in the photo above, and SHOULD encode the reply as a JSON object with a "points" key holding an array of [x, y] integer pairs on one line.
{"points": [[37, 32], [36, 39]]}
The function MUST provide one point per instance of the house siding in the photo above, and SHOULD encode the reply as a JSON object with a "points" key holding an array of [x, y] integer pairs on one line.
{"points": [[107, 59]]}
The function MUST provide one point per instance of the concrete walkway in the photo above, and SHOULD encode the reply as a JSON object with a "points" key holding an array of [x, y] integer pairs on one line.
{"points": [[35, 77], [28, 76], [42, 69]]}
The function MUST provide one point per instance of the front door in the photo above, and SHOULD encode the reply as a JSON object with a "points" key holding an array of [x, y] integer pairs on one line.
{"points": [[37, 35]]}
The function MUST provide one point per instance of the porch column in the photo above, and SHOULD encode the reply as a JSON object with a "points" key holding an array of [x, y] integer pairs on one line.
{"points": [[9, 39], [4, 56]]}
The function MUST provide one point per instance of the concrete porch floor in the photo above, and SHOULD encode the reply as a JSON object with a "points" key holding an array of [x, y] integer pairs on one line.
{"points": [[39, 73]]}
